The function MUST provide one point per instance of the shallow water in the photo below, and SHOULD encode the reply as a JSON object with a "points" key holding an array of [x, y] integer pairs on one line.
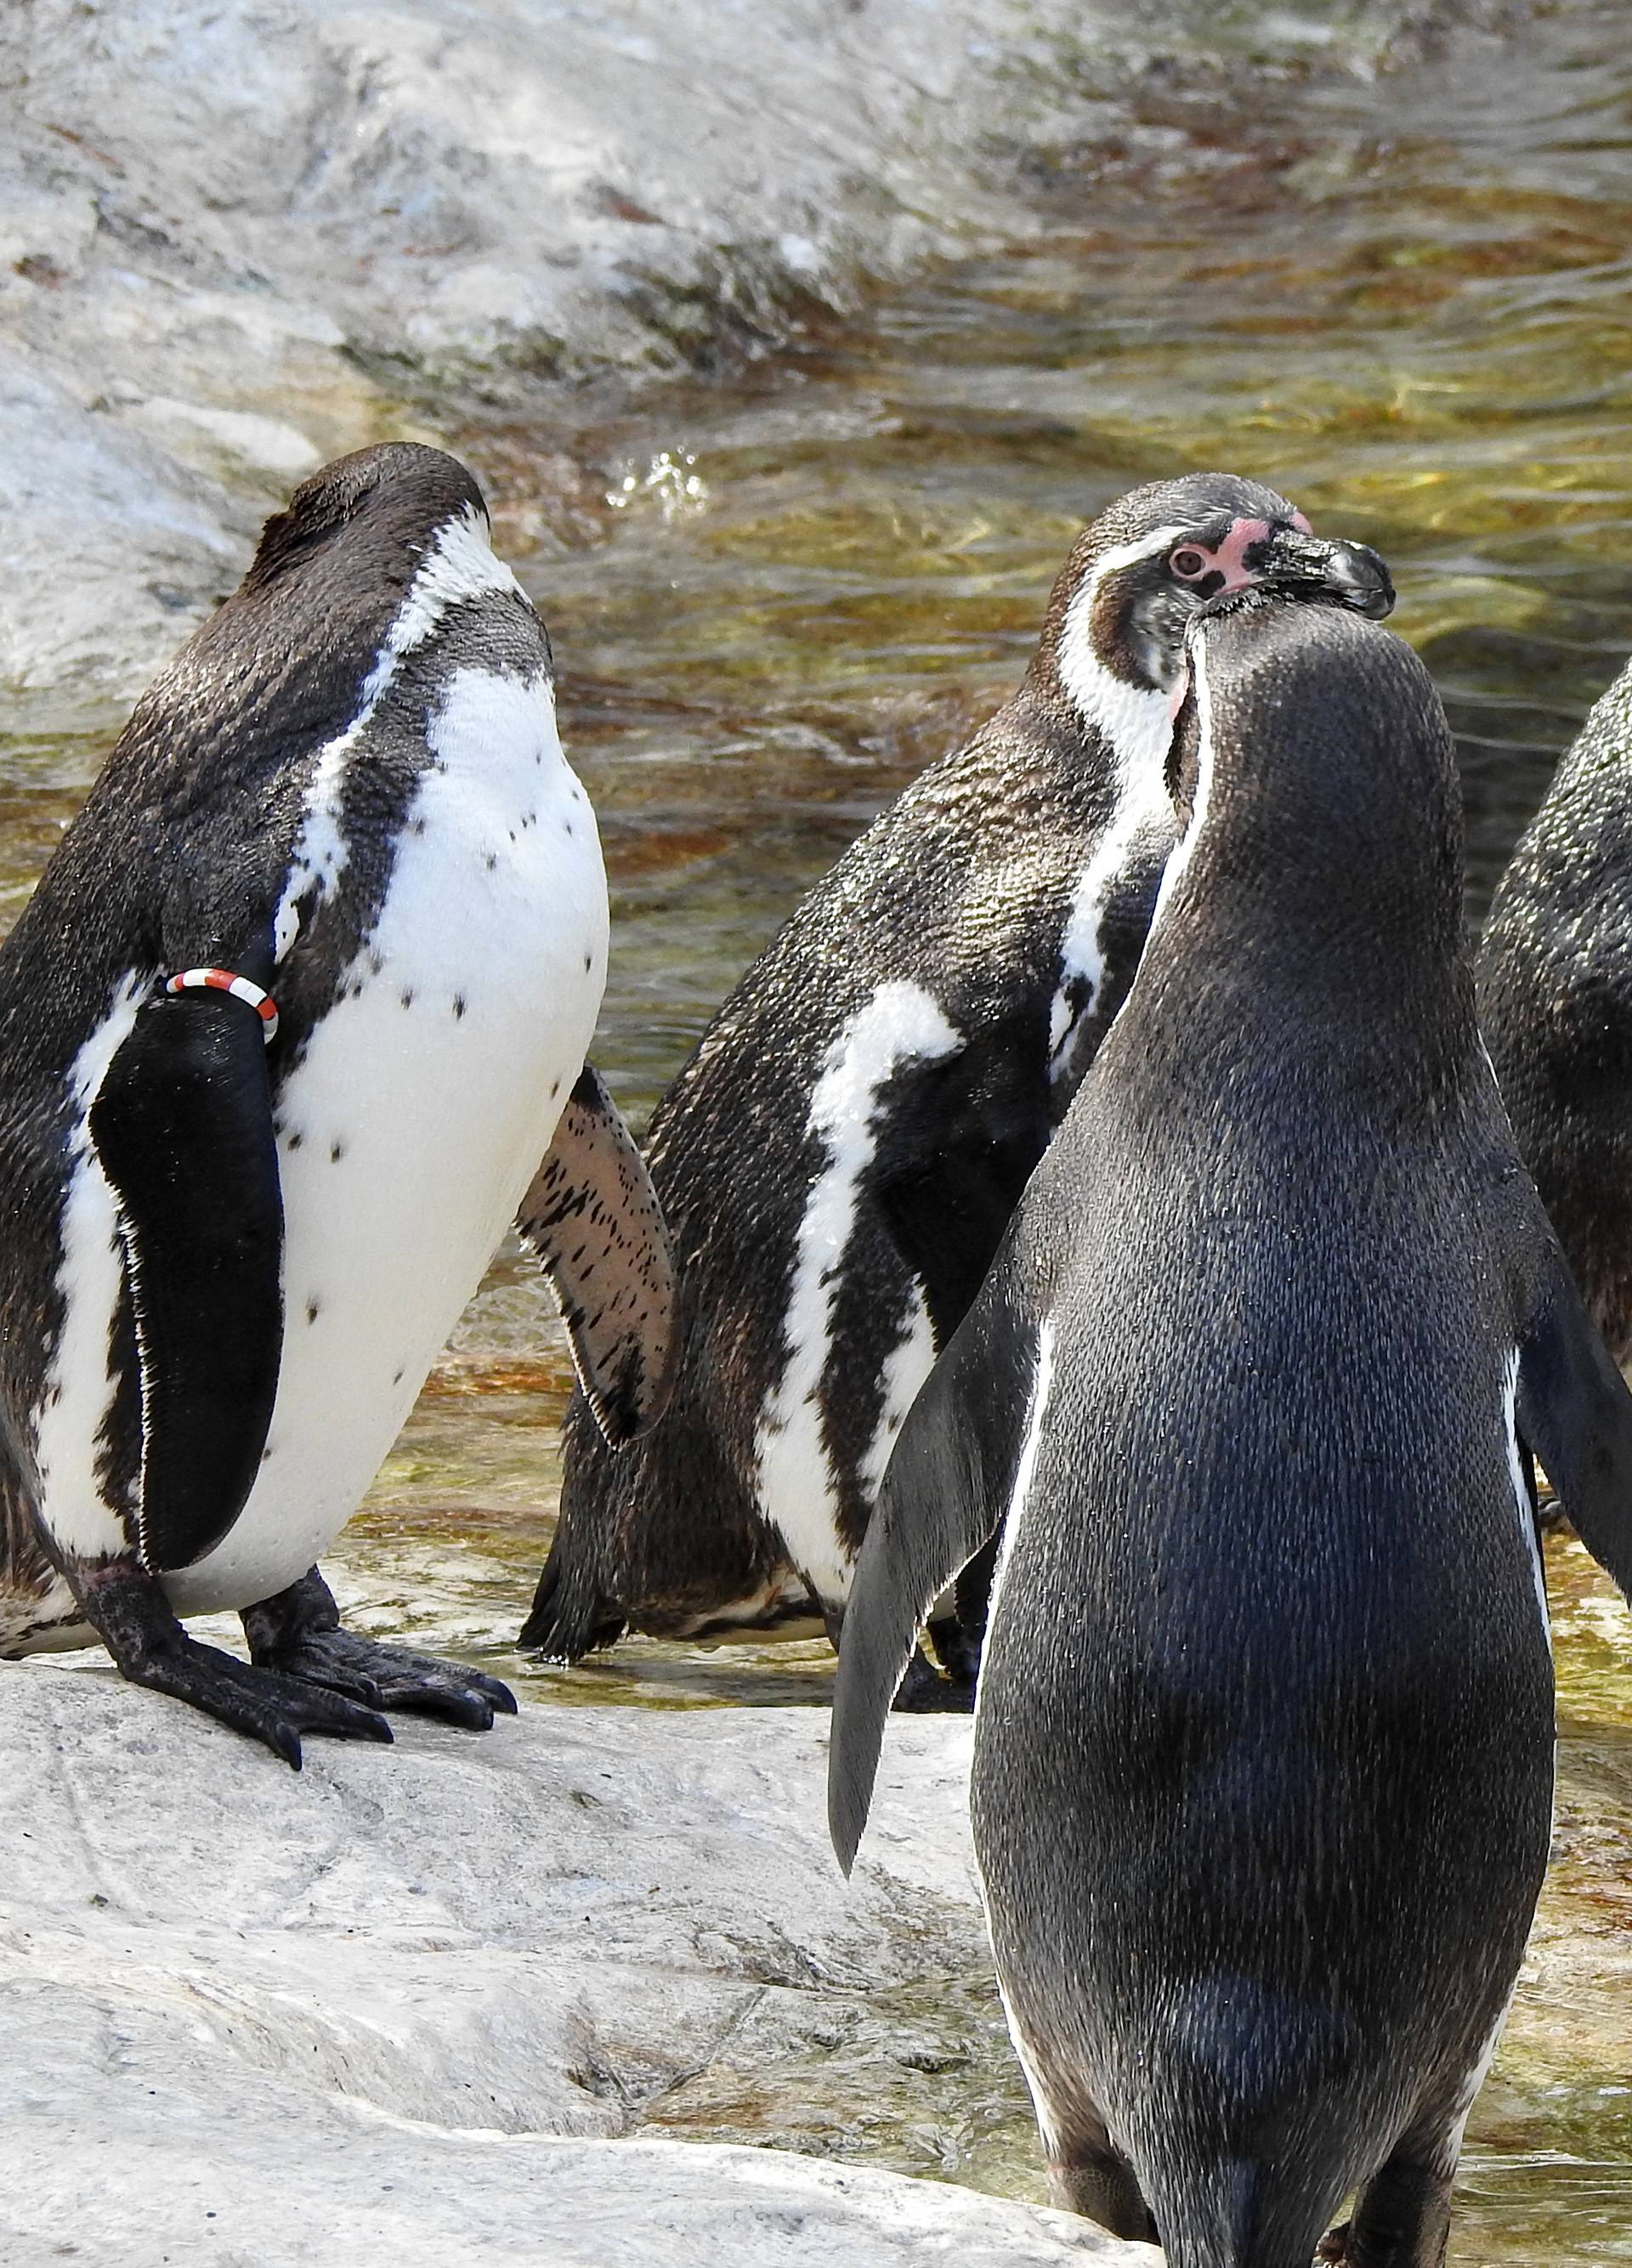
{"points": [[1408, 302]]}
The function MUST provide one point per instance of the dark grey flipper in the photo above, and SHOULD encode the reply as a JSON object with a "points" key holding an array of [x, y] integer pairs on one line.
{"points": [[944, 1495], [592, 1217], [298, 1632], [182, 1126], [1576, 1414]]}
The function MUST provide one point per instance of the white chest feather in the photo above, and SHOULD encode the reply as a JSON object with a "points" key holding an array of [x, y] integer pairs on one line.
{"points": [[1136, 728], [78, 1388], [798, 1492], [426, 1096], [1025, 1473]]}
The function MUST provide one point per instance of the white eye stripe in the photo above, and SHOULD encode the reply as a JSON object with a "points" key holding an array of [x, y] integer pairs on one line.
{"points": [[1133, 717], [1129, 554]]}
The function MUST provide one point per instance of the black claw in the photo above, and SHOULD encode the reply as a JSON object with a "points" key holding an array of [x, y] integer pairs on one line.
{"points": [[430, 1698], [127, 1608], [497, 1696]]}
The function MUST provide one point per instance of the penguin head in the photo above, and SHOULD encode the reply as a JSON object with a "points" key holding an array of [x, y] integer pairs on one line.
{"points": [[1113, 642], [385, 504], [283, 664]]}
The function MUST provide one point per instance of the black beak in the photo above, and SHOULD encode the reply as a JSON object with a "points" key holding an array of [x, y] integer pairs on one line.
{"points": [[1308, 567]]}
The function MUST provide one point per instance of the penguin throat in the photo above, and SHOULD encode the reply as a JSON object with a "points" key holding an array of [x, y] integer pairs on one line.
{"points": [[1132, 719]]}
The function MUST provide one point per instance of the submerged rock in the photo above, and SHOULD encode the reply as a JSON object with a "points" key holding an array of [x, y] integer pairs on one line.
{"points": [[409, 2006]]}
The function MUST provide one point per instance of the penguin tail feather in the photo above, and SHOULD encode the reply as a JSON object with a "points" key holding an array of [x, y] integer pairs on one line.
{"points": [[1225, 2216], [1213, 2218], [570, 1617], [1269, 2143]]}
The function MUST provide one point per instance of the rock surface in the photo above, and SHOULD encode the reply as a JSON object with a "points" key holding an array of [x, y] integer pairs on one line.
{"points": [[400, 2008], [240, 236], [234, 238]]}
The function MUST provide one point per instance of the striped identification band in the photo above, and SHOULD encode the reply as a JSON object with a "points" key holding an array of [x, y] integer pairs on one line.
{"points": [[223, 980]]}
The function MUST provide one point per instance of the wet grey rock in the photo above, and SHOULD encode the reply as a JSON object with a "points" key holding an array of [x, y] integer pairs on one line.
{"points": [[240, 236], [235, 239], [110, 547], [430, 2003]]}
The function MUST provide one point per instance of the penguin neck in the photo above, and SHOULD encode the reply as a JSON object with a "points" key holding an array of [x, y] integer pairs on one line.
{"points": [[1314, 924], [1134, 722]]}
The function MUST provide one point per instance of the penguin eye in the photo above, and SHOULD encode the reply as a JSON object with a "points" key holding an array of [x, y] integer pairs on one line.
{"points": [[1187, 562]]}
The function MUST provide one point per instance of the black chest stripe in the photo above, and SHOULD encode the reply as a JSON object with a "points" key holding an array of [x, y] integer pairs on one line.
{"points": [[183, 1128]]}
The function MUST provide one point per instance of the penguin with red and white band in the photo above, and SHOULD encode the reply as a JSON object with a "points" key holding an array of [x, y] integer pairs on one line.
{"points": [[839, 1158], [291, 1030]]}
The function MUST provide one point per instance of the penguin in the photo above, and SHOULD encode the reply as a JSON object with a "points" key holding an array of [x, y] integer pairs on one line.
{"points": [[1263, 1741], [840, 1154], [291, 1028], [1555, 975]]}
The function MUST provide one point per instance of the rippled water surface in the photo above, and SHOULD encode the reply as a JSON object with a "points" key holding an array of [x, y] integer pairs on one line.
{"points": [[1406, 300]]}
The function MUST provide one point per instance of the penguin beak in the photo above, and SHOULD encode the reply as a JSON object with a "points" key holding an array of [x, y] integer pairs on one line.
{"points": [[1305, 566]]}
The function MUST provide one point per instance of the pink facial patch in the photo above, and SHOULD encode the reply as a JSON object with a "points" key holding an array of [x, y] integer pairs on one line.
{"points": [[1227, 559]]}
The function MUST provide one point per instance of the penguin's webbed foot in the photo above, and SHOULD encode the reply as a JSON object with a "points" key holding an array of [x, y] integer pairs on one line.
{"points": [[958, 1649], [299, 1633], [268, 1705], [127, 1608], [392, 1677], [924, 1692]]}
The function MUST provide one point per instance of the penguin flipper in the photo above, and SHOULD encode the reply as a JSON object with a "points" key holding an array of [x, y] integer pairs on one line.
{"points": [[1575, 1414], [942, 1496], [592, 1217], [182, 1128]]}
